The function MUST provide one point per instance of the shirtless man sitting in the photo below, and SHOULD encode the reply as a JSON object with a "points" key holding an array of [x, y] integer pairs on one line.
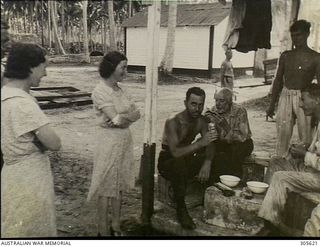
{"points": [[296, 70], [181, 156]]}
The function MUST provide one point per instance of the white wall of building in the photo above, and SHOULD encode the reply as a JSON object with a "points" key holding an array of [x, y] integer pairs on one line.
{"points": [[191, 47], [239, 59]]}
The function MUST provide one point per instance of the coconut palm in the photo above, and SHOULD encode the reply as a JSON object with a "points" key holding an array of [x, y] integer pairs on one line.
{"points": [[85, 30], [167, 61], [55, 26], [112, 26]]}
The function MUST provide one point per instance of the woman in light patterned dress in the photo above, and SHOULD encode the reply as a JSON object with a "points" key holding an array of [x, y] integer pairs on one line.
{"points": [[27, 194], [113, 170]]}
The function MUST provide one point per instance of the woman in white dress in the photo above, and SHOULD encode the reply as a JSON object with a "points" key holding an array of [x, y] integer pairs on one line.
{"points": [[27, 193], [113, 170]]}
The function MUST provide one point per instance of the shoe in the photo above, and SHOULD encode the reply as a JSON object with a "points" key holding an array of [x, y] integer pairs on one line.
{"points": [[115, 233], [184, 218]]}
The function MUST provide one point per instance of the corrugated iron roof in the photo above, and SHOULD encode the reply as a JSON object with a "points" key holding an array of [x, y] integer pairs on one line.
{"points": [[187, 15]]}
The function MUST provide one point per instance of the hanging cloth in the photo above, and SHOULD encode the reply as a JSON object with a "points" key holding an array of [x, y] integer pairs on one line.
{"points": [[236, 17], [256, 26]]}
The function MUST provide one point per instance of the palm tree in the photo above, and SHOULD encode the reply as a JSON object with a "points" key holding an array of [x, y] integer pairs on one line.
{"points": [[63, 23], [85, 30], [112, 26], [167, 60], [55, 26]]}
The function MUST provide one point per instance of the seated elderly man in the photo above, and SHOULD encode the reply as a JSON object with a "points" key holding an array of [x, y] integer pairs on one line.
{"points": [[298, 177], [234, 143]]}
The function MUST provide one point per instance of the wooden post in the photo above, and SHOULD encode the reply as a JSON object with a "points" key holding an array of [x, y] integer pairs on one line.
{"points": [[149, 146]]}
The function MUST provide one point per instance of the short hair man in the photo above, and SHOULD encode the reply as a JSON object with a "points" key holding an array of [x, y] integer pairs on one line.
{"points": [[292, 175], [296, 70], [181, 156], [234, 142]]}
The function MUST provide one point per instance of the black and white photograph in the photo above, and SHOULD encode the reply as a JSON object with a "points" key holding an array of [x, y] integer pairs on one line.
{"points": [[160, 120]]}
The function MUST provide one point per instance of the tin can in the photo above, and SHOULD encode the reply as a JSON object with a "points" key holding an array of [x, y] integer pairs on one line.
{"points": [[212, 127]]}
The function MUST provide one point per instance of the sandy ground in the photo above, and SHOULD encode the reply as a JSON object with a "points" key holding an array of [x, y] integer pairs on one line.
{"points": [[72, 165]]}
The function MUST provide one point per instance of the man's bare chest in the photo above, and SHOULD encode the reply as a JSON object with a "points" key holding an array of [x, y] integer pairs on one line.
{"points": [[188, 132], [300, 63]]}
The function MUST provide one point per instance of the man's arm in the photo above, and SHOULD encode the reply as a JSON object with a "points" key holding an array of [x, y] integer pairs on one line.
{"points": [[174, 145], [205, 170], [222, 71], [313, 160], [277, 85]]}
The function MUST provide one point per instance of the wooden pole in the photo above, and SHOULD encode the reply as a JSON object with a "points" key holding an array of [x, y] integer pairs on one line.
{"points": [[149, 146]]}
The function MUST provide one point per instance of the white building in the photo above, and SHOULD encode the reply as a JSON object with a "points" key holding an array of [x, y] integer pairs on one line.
{"points": [[198, 44]]}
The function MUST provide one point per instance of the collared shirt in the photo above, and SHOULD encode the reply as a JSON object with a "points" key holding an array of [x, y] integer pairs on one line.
{"points": [[20, 116], [237, 118], [312, 158]]}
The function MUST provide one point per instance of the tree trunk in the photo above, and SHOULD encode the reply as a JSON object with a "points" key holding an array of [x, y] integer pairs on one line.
{"points": [[112, 27], [130, 8], [102, 33], [42, 24], [105, 30], [31, 8], [63, 23], [36, 9], [49, 24], [25, 23], [167, 60], [55, 28], [85, 31], [54, 19]]}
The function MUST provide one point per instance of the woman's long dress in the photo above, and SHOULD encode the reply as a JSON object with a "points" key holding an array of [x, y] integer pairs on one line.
{"points": [[113, 168], [27, 193]]}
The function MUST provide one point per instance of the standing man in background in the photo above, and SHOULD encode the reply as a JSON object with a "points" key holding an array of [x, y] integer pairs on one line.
{"points": [[295, 72]]}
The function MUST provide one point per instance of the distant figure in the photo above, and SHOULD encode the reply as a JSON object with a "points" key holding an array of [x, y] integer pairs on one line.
{"points": [[182, 156], [27, 193], [296, 70], [113, 165], [226, 72]]}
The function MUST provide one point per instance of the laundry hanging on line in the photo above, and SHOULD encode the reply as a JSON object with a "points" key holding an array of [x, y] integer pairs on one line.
{"points": [[249, 26]]}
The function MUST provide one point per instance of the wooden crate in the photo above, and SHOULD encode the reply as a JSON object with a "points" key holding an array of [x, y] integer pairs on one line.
{"points": [[255, 165], [270, 67]]}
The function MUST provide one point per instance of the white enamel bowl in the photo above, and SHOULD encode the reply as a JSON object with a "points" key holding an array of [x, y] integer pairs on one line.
{"points": [[229, 180], [257, 187]]}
